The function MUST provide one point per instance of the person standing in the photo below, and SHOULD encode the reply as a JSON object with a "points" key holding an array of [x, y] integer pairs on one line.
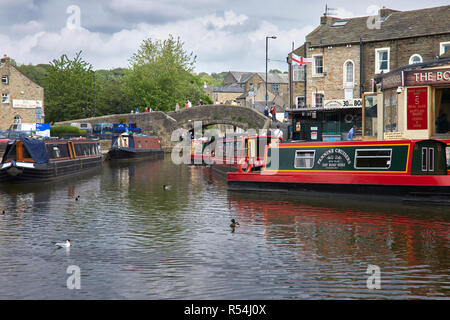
{"points": [[266, 111], [146, 109], [351, 133], [177, 107], [274, 113], [277, 133], [201, 102], [189, 104]]}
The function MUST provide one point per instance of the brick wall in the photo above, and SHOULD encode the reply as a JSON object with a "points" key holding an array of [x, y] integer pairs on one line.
{"points": [[21, 88]]}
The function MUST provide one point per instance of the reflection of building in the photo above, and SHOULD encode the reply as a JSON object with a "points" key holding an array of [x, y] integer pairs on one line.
{"points": [[347, 57], [414, 101], [22, 99]]}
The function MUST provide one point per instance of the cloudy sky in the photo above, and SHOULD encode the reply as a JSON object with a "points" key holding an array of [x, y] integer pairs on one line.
{"points": [[225, 35]]}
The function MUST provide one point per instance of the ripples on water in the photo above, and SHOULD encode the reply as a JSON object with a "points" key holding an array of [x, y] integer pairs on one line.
{"points": [[133, 240]]}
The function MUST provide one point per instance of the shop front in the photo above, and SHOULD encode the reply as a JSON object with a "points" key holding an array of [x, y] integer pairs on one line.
{"points": [[415, 102]]}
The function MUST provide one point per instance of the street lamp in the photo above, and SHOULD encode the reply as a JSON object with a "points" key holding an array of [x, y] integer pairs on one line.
{"points": [[267, 42]]}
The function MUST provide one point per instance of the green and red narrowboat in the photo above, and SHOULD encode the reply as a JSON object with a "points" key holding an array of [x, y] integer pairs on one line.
{"points": [[134, 146], [29, 159], [403, 167]]}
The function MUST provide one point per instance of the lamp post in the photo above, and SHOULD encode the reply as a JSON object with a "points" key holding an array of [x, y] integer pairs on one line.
{"points": [[267, 42]]}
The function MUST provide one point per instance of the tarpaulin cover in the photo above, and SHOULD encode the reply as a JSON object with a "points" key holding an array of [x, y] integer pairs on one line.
{"points": [[36, 149]]}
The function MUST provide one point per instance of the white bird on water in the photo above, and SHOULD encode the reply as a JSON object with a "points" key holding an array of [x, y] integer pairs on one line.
{"points": [[65, 244]]}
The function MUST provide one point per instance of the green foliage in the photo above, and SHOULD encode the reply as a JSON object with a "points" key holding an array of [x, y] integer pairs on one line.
{"points": [[57, 130], [68, 89], [160, 75], [36, 73]]}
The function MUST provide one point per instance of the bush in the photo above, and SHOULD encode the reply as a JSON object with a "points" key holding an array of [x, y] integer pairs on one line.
{"points": [[58, 130]]}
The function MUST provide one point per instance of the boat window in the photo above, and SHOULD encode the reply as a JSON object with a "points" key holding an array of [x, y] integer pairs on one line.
{"points": [[447, 154], [424, 159], [56, 151], [304, 159], [86, 149], [431, 159], [373, 158]]}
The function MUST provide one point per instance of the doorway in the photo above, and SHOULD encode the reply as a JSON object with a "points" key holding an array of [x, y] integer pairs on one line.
{"points": [[442, 110]]}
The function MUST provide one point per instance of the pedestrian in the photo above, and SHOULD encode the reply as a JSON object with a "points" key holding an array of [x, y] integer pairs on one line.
{"points": [[351, 133], [146, 109], [277, 133], [189, 104], [186, 105], [177, 107], [137, 110], [201, 102], [273, 111], [266, 111]]}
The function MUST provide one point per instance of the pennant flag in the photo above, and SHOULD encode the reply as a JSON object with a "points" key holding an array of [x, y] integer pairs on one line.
{"points": [[300, 60]]}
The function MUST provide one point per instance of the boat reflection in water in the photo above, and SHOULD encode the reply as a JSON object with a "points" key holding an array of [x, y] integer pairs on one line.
{"points": [[343, 237]]}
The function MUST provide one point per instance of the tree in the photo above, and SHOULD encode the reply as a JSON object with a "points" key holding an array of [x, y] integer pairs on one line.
{"points": [[160, 75], [68, 88]]}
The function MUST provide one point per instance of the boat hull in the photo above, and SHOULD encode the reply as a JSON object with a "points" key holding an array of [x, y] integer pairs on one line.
{"points": [[433, 188], [128, 153], [20, 172]]}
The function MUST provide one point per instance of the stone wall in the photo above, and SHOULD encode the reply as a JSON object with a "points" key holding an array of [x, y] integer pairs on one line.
{"points": [[163, 125]]}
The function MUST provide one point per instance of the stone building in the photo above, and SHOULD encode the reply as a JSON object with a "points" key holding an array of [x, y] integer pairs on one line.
{"points": [[254, 86], [348, 54], [22, 99]]}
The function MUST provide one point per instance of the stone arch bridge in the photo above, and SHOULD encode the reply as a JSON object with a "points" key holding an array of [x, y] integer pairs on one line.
{"points": [[163, 124]]}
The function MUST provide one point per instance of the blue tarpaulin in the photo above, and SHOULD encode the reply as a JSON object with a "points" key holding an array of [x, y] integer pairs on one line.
{"points": [[36, 149]]}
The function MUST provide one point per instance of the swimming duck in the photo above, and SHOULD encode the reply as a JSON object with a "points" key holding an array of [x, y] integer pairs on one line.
{"points": [[63, 244], [234, 224]]}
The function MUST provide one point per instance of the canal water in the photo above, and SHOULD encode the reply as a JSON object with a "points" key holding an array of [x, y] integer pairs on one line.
{"points": [[131, 239]]}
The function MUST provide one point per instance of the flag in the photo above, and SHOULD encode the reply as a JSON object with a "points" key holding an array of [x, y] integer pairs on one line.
{"points": [[300, 60]]}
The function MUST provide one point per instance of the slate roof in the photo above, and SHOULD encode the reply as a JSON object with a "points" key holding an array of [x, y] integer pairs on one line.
{"points": [[229, 88], [243, 77], [399, 24]]}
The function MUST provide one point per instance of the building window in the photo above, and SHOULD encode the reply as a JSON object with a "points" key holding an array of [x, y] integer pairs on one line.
{"points": [[275, 87], [300, 102], [349, 73], [17, 119], [318, 100], [304, 159], [318, 65], [415, 58], [5, 80], [348, 93], [382, 60], [444, 47], [250, 86], [390, 111], [298, 72], [5, 98]]}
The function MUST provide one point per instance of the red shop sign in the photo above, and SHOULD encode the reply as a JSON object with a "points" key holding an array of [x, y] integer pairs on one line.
{"points": [[417, 108]]}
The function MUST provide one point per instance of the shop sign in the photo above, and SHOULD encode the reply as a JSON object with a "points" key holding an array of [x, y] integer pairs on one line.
{"points": [[417, 108], [342, 103], [433, 76], [27, 104], [394, 135]]}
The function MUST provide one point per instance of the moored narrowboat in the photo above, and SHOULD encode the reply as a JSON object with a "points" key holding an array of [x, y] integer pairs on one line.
{"points": [[402, 167], [30, 159], [133, 146]]}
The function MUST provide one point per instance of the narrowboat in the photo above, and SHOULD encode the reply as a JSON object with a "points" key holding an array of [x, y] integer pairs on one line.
{"points": [[398, 167], [134, 146], [228, 154], [30, 159]]}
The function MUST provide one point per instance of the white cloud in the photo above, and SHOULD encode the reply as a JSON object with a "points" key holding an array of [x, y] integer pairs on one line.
{"points": [[230, 44]]}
